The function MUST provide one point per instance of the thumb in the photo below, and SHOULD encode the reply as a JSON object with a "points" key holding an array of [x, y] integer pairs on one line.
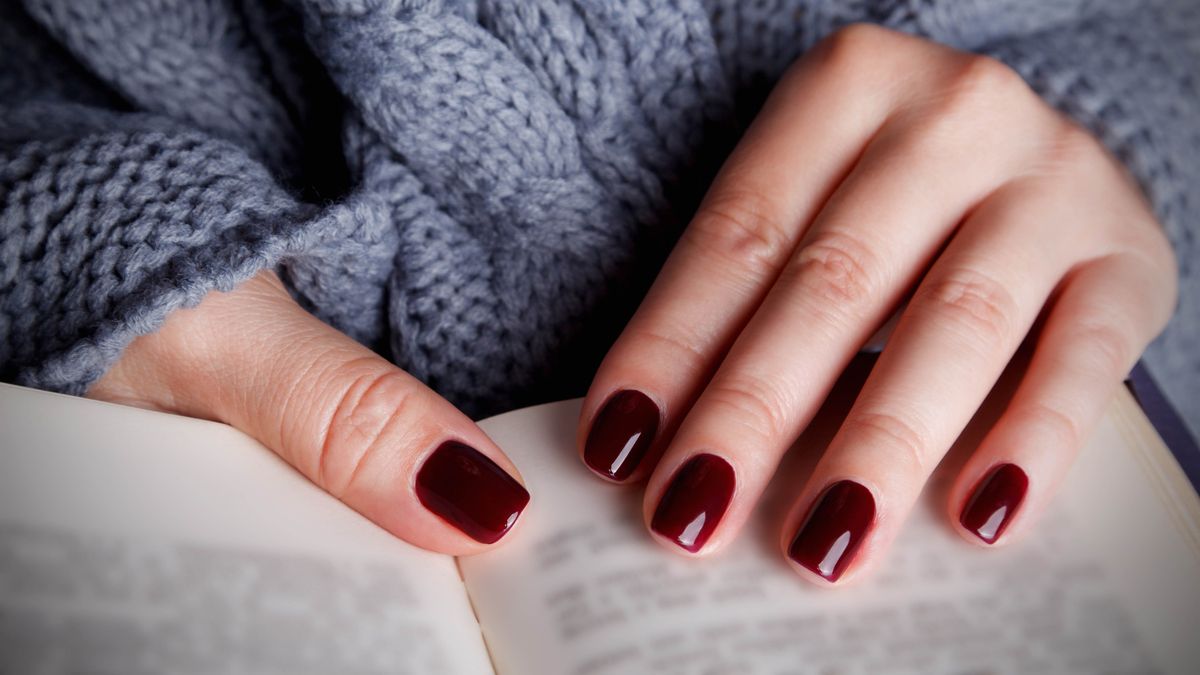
{"points": [[357, 426]]}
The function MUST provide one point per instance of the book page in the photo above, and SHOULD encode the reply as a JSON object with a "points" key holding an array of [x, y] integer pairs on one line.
{"points": [[139, 542], [1108, 581]]}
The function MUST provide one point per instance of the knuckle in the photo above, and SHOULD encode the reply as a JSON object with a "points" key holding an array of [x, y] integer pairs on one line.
{"points": [[834, 268], [668, 344], [892, 433], [744, 226], [1052, 422], [979, 100], [1073, 147], [1156, 247], [981, 307], [753, 402], [984, 79], [853, 47], [366, 406], [1107, 347], [860, 62], [1162, 268]]}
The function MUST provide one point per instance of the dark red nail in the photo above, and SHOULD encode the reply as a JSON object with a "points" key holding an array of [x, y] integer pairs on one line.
{"points": [[694, 502], [621, 435], [469, 491], [834, 529], [996, 499]]}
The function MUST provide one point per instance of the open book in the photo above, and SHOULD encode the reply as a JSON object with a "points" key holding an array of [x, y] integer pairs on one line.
{"points": [[139, 542]]}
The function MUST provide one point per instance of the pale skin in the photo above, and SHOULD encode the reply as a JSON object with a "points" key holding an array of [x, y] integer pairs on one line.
{"points": [[884, 173]]}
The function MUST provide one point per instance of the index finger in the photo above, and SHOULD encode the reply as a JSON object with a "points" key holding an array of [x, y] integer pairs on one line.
{"points": [[728, 258]]}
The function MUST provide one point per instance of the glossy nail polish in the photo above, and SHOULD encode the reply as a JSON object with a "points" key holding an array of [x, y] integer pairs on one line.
{"points": [[621, 434], [694, 501], [471, 492], [996, 498], [834, 529]]}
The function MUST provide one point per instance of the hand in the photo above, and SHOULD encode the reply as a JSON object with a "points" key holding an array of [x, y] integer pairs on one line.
{"points": [[883, 171], [365, 431]]}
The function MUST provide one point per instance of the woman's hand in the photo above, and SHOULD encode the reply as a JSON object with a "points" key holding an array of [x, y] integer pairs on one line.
{"points": [[884, 171], [368, 433]]}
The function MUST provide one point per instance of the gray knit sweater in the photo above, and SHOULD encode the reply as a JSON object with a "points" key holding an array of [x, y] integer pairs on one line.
{"points": [[480, 191]]}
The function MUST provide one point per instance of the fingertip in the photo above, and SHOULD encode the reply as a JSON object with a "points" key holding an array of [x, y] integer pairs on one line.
{"points": [[829, 541], [438, 482], [984, 515], [673, 545], [470, 491], [814, 578], [619, 444], [860, 567], [459, 544], [689, 510]]}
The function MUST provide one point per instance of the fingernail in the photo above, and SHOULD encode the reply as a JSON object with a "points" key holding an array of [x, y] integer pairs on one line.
{"points": [[621, 435], [834, 529], [694, 502], [471, 492], [996, 499]]}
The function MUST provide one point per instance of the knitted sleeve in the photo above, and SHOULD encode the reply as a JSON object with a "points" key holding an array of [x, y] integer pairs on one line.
{"points": [[500, 166], [1128, 72], [124, 193], [478, 189]]}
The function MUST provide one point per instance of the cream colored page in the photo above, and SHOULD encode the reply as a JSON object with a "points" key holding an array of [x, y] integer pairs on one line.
{"points": [[1106, 584], [137, 542]]}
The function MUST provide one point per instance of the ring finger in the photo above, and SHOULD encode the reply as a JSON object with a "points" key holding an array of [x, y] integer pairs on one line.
{"points": [[960, 330]]}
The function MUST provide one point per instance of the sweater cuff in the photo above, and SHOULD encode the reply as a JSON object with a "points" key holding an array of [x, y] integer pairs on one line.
{"points": [[109, 221]]}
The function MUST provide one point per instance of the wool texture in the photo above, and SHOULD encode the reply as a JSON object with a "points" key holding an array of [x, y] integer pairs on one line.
{"points": [[480, 191]]}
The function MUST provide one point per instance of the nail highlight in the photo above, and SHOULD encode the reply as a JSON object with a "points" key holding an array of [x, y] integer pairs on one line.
{"points": [[834, 529], [621, 434], [694, 502], [471, 492], [994, 502]]}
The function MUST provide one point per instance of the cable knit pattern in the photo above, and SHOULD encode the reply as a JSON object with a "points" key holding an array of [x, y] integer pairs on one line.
{"points": [[478, 190]]}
